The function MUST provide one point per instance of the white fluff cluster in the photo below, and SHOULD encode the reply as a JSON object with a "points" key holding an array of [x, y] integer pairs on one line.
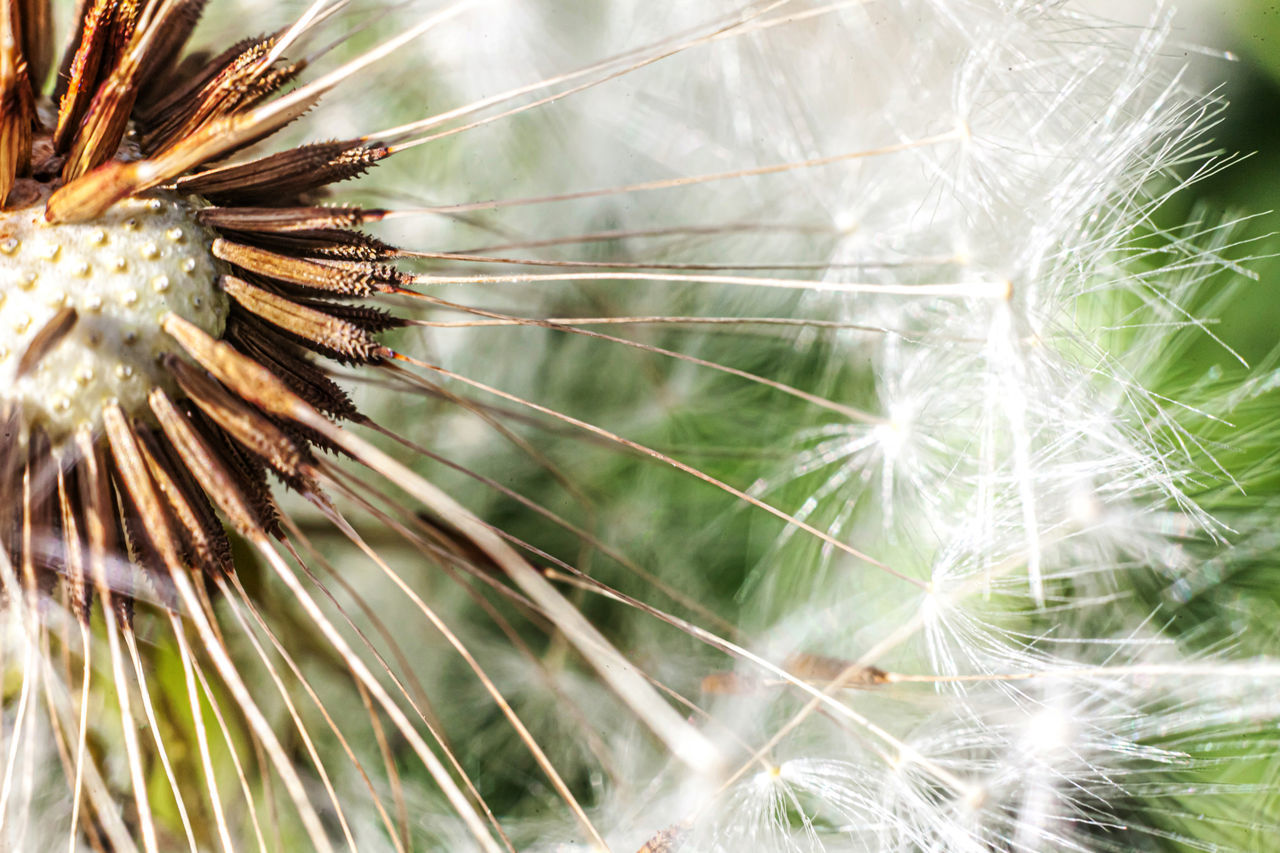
{"points": [[994, 459]]}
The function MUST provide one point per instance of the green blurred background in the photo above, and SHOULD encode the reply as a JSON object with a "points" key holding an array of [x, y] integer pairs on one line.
{"points": [[1248, 32]]}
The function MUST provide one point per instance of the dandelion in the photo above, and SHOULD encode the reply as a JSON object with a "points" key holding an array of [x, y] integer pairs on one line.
{"points": [[247, 607]]}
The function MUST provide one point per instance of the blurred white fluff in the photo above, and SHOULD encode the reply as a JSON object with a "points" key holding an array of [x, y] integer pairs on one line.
{"points": [[1014, 464]]}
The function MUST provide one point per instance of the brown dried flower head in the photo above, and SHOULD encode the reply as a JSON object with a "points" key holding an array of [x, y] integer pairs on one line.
{"points": [[166, 314]]}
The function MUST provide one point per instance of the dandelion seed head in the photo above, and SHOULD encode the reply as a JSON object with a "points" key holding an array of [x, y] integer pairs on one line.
{"points": [[948, 190], [120, 273]]}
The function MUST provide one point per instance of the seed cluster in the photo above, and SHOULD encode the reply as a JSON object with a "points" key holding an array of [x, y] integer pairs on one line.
{"points": [[119, 274], [166, 312], [169, 313]]}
